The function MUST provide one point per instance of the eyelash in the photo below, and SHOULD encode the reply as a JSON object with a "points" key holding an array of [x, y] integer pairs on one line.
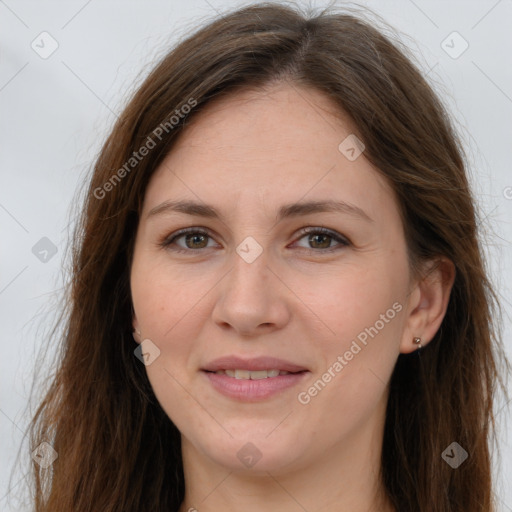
{"points": [[342, 241]]}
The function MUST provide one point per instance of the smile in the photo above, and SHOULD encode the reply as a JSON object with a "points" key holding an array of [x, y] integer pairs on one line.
{"points": [[253, 386], [254, 375]]}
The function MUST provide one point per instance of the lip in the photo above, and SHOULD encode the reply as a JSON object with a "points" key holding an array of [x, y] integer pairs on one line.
{"points": [[253, 364], [248, 390]]}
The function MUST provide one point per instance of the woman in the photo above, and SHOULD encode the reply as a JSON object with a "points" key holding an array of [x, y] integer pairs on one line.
{"points": [[278, 295]]}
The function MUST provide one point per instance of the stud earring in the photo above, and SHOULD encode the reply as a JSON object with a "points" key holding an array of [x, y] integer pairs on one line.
{"points": [[417, 341]]}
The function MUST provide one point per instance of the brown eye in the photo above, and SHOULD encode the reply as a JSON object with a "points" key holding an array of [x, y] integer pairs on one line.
{"points": [[193, 240], [196, 240], [323, 241], [320, 239]]}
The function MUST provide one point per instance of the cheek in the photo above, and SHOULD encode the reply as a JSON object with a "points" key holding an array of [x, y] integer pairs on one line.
{"points": [[352, 382], [360, 301], [168, 312], [165, 298], [367, 319], [168, 309]]}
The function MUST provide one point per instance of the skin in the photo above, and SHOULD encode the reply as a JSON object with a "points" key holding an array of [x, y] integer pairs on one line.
{"points": [[247, 155]]}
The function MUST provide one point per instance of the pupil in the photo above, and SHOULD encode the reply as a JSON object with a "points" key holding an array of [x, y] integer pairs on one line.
{"points": [[195, 237], [326, 240]]}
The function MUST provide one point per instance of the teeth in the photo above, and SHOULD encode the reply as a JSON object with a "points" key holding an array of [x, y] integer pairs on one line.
{"points": [[255, 375]]}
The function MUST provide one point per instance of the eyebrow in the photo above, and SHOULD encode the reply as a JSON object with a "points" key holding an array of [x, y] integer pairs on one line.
{"points": [[286, 211]]}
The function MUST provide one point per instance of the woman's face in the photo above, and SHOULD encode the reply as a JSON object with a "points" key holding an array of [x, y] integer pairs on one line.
{"points": [[247, 290]]}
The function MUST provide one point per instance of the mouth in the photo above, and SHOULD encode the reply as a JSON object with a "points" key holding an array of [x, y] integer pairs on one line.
{"points": [[255, 379], [253, 375]]}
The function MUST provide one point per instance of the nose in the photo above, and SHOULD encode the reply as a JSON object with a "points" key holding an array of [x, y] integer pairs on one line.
{"points": [[251, 299]]}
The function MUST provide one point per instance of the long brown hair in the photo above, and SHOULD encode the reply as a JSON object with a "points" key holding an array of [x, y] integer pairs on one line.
{"points": [[117, 448]]}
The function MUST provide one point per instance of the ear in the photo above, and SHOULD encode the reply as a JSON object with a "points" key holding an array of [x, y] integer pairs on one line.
{"points": [[427, 303]]}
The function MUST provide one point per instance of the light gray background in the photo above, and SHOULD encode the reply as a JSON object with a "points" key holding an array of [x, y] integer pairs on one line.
{"points": [[56, 112]]}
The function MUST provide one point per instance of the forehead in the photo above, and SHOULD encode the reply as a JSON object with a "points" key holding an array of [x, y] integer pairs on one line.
{"points": [[276, 145], [249, 120]]}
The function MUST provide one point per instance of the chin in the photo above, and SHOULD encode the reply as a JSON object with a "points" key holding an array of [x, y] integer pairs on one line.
{"points": [[258, 454]]}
